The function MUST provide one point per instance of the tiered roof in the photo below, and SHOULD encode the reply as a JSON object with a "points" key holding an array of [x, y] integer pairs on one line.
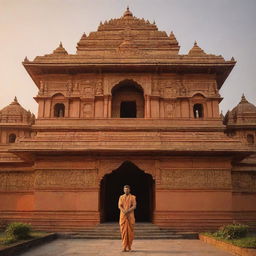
{"points": [[129, 42]]}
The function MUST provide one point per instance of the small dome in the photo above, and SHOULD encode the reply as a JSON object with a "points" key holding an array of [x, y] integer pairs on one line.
{"points": [[15, 113], [244, 112], [244, 106], [127, 14]]}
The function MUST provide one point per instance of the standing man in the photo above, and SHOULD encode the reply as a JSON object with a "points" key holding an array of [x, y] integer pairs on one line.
{"points": [[127, 204]]}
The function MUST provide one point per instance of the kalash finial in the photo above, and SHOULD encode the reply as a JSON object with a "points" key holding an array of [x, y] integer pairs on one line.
{"points": [[127, 13], [243, 97]]}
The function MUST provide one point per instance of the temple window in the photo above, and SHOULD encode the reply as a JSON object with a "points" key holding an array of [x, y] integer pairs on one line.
{"points": [[250, 139], [12, 138], [59, 110], [127, 100], [198, 110]]}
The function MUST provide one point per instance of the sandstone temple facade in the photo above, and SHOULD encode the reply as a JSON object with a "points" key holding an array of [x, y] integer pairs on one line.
{"points": [[127, 108]]}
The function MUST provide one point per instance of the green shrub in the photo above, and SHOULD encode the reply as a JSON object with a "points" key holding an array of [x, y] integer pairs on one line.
{"points": [[232, 231], [18, 230], [246, 242]]}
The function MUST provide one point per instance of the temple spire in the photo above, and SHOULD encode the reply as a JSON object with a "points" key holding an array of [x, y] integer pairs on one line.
{"points": [[196, 50], [173, 38], [60, 50]]}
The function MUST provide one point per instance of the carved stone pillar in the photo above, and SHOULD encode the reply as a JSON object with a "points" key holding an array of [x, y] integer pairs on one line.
{"points": [[105, 108], [109, 105], [147, 112]]}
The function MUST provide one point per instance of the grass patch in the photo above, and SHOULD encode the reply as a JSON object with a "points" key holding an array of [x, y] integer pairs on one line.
{"points": [[248, 241]]}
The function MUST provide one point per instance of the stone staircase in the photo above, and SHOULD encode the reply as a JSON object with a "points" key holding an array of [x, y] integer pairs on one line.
{"points": [[142, 231]]}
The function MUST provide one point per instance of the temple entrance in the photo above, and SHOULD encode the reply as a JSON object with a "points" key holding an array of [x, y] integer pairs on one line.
{"points": [[142, 186]]}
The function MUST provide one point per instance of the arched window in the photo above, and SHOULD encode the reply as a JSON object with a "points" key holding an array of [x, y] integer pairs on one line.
{"points": [[198, 110], [250, 139], [59, 110], [127, 100], [12, 138]]}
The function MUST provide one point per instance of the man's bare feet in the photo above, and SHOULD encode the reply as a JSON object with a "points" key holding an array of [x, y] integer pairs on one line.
{"points": [[124, 250]]}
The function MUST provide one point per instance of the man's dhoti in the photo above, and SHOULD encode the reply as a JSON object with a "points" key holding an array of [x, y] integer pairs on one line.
{"points": [[127, 221]]}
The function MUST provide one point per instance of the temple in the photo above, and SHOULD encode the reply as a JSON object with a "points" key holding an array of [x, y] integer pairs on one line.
{"points": [[127, 108]]}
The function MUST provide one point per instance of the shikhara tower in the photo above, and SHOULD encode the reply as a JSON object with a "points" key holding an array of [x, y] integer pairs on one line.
{"points": [[127, 108]]}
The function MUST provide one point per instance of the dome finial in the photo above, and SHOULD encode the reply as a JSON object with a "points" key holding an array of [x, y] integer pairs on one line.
{"points": [[243, 99], [127, 13], [15, 99]]}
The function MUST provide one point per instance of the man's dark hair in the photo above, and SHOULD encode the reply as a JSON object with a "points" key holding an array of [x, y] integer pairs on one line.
{"points": [[127, 186]]}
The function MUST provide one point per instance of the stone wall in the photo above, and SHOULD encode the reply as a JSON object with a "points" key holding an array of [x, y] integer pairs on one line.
{"points": [[191, 193]]}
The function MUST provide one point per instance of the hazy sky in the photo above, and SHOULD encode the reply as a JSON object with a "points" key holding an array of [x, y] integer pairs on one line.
{"points": [[35, 27]]}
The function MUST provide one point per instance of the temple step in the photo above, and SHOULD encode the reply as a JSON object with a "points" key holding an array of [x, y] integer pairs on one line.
{"points": [[141, 231]]}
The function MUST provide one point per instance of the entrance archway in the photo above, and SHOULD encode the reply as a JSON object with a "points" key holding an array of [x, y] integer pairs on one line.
{"points": [[142, 186]]}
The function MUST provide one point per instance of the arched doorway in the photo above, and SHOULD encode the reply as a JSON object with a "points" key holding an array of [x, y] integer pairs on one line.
{"points": [[127, 100], [142, 186]]}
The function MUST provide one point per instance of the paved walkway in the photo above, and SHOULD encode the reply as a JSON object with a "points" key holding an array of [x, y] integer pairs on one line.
{"points": [[84, 247]]}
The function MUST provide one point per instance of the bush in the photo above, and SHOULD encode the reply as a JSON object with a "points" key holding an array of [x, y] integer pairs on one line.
{"points": [[18, 230], [232, 231]]}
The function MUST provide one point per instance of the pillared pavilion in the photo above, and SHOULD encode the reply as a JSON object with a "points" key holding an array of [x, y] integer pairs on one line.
{"points": [[127, 108]]}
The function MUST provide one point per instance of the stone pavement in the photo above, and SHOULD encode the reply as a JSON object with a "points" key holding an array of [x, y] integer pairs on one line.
{"points": [[84, 247]]}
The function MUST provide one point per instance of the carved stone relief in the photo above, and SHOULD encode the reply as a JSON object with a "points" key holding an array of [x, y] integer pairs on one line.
{"points": [[47, 179], [244, 181], [88, 92], [43, 88], [16, 181], [155, 87], [171, 88], [69, 86], [195, 179], [169, 109], [87, 110], [99, 88]]}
